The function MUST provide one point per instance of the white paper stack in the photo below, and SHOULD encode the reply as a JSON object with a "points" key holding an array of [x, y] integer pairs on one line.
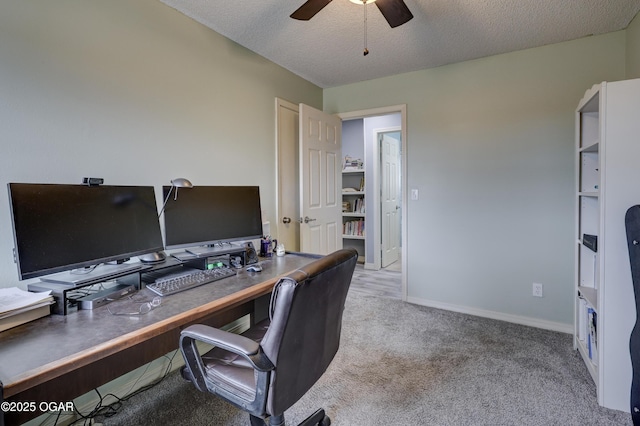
{"points": [[18, 306]]}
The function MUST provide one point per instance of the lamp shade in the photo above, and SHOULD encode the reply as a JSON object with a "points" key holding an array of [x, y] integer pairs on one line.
{"points": [[181, 183], [161, 256]]}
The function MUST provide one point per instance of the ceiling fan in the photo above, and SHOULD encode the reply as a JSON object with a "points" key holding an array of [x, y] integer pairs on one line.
{"points": [[394, 11]]}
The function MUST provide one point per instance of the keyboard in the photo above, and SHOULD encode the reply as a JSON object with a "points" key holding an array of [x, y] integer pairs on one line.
{"points": [[177, 283]]}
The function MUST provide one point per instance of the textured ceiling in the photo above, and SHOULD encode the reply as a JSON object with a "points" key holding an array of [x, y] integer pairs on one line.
{"points": [[328, 49]]}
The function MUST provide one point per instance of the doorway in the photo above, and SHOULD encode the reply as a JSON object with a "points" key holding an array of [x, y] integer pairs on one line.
{"points": [[375, 143], [288, 227], [375, 124]]}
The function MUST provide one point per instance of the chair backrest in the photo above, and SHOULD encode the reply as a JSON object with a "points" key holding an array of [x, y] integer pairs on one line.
{"points": [[306, 321]]}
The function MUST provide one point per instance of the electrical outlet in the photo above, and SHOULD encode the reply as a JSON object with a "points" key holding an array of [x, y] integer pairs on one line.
{"points": [[537, 289]]}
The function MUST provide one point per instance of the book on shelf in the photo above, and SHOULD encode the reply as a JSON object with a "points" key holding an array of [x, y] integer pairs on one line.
{"points": [[352, 163], [590, 241], [592, 343], [353, 227], [19, 307], [358, 205], [582, 320]]}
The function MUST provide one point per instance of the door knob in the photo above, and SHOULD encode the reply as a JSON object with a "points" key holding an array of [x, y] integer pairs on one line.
{"points": [[286, 220], [307, 219]]}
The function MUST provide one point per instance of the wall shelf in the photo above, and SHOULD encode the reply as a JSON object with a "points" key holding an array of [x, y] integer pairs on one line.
{"points": [[353, 211], [606, 186], [353, 237]]}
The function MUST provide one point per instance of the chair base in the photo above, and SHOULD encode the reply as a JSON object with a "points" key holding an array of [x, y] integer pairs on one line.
{"points": [[319, 418]]}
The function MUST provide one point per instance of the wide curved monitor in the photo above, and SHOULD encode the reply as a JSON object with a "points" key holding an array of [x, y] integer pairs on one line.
{"points": [[64, 227], [207, 215]]}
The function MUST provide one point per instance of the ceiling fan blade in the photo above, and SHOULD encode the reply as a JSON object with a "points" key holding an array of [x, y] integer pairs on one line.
{"points": [[394, 11], [309, 9]]}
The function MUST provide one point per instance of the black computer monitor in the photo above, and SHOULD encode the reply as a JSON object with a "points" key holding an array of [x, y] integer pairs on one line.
{"points": [[206, 215], [66, 227]]}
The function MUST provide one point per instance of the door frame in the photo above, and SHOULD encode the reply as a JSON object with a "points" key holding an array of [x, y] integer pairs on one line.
{"points": [[372, 112], [280, 144]]}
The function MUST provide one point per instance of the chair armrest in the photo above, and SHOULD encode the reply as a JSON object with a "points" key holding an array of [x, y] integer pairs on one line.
{"points": [[232, 342], [245, 347], [195, 370], [229, 341]]}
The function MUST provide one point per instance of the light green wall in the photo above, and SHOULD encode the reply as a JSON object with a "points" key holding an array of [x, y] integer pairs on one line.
{"points": [[490, 149], [136, 93], [633, 48]]}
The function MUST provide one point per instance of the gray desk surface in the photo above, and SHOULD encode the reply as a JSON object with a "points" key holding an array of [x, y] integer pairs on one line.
{"points": [[47, 348]]}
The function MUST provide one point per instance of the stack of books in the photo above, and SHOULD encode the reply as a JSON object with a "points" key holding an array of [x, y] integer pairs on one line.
{"points": [[352, 163], [358, 205], [18, 307], [353, 228]]}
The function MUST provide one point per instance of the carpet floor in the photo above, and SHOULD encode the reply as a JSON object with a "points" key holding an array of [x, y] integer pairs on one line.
{"points": [[403, 364]]}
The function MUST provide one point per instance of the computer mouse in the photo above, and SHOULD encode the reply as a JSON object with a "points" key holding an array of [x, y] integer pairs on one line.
{"points": [[254, 268]]}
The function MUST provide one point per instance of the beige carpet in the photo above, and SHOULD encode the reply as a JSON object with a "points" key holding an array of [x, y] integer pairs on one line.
{"points": [[402, 364]]}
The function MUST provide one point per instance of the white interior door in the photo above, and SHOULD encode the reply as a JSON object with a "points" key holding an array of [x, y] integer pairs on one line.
{"points": [[287, 134], [320, 181], [390, 198]]}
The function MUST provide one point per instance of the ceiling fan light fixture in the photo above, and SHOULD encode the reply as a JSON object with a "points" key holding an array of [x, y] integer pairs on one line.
{"points": [[395, 12]]}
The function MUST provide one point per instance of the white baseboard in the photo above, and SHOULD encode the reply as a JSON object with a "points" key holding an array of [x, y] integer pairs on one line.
{"points": [[371, 266], [516, 319]]}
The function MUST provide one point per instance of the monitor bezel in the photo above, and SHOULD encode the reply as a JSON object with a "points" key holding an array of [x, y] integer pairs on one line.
{"points": [[209, 242], [119, 257]]}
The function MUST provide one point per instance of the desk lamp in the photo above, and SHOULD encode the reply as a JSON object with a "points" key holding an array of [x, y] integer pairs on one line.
{"points": [[160, 256]]}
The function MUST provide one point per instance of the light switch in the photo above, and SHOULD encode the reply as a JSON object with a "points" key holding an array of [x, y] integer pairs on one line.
{"points": [[414, 194]]}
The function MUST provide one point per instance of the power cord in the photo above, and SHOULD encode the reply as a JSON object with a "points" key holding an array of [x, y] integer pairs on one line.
{"points": [[112, 409]]}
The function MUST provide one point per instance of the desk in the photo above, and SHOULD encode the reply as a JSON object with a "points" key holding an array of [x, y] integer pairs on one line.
{"points": [[58, 358]]}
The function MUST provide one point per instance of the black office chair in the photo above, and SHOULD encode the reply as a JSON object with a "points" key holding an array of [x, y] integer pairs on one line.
{"points": [[267, 369]]}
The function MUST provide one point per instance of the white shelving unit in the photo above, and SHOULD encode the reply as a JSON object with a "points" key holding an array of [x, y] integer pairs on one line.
{"points": [[607, 184], [353, 215]]}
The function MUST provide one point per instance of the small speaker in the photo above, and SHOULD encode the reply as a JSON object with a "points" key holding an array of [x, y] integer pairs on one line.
{"points": [[250, 256]]}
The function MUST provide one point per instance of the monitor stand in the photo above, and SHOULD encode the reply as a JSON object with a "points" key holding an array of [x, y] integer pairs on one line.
{"points": [[102, 272], [224, 248]]}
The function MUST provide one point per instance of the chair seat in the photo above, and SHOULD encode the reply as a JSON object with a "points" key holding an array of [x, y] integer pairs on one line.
{"points": [[231, 370]]}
